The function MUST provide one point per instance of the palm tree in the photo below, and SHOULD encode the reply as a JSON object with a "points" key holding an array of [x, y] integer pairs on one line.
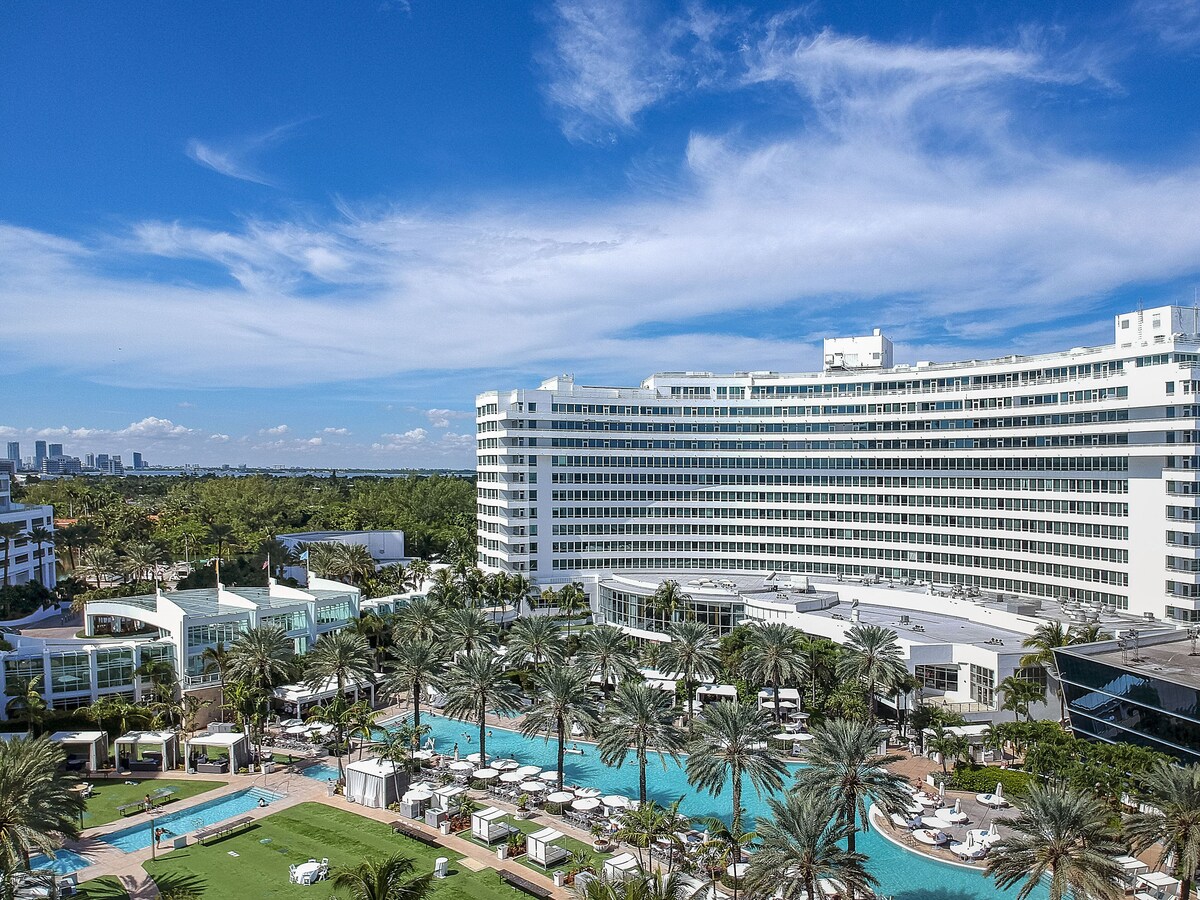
{"points": [[468, 628], [1019, 694], [667, 600], [400, 742], [261, 659], [476, 684], [1173, 819], [323, 559], [382, 878], [220, 535], [949, 745], [641, 827], [416, 662], [821, 661], [215, 658], [38, 807], [655, 886], [1064, 834], [1045, 639], [161, 675], [9, 532], [638, 718], [361, 722], [731, 741], [723, 846], [562, 703], [571, 600], [422, 619], [692, 651], [1089, 633], [843, 763], [344, 657], [27, 701], [607, 654], [377, 631], [418, 571], [775, 656], [798, 849], [872, 658], [100, 562], [445, 591], [142, 557], [536, 640], [39, 536]]}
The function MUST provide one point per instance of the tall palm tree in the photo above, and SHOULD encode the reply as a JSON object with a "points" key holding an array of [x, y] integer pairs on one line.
{"points": [[844, 763], [101, 562], [731, 741], [638, 718], [1173, 818], [668, 598], [1019, 694], [377, 631], [161, 675], [871, 657], [477, 683], [261, 659], [361, 722], [535, 641], [416, 662], [382, 878], [323, 559], [9, 532], [468, 628], [821, 660], [723, 847], [354, 562], [346, 658], [640, 827], [39, 536], [1065, 835], [1042, 643], [571, 600], [1089, 633], [38, 807], [798, 849], [142, 557], [422, 618], [216, 658], [445, 591], [775, 656], [418, 571], [222, 536], [691, 652], [561, 703], [949, 745], [606, 653]]}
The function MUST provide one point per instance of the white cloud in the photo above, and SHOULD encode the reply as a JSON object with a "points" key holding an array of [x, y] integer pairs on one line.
{"points": [[278, 429], [441, 418], [219, 438], [1174, 22], [154, 427], [338, 431], [234, 158], [315, 442]]}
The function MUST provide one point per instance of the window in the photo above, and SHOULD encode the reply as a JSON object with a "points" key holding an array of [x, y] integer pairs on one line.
{"points": [[938, 678], [70, 672], [983, 685], [114, 668]]}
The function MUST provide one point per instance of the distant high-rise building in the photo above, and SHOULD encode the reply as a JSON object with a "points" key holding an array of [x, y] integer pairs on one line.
{"points": [[109, 465], [62, 465], [14, 451], [138, 462], [55, 450], [89, 460], [39, 454]]}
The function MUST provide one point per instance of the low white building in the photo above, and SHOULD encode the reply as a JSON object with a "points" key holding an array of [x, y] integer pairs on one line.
{"points": [[385, 547], [27, 561]]}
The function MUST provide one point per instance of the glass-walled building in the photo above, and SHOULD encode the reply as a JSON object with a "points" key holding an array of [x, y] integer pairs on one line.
{"points": [[1142, 689]]}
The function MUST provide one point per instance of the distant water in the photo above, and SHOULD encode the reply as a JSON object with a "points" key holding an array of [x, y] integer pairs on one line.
{"points": [[303, 473]]}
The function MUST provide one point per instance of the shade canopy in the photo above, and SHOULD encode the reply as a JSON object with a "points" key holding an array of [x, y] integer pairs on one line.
{"points": [[586, 804], [549, 775], [461, 766], [615, 800], [512, 777], [530, 771], [486, 774], [533, 787], [587, 792], [560, 797], [505, 765]]}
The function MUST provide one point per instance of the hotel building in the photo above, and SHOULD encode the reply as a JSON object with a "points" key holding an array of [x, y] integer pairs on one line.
{"points": [[27, 561], [1070, 476]]}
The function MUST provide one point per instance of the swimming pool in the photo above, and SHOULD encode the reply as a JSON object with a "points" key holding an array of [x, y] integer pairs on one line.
{"points": [[139, 837], [902, 875], [320, 772], [64, 862]]}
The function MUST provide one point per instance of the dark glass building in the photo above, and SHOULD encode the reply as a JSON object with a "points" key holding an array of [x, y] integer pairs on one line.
{"points": [[1142, 689]]}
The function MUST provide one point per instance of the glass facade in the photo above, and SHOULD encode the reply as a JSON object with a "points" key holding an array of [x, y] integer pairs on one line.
{"points": [[632, 610], [333, 613], [70, 672], [114, 668], [938, 678], [1114, 703], [215, 633]]}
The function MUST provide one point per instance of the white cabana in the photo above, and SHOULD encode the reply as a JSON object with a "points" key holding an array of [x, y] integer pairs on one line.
{"points": [[789, 698], [486, 825], [85, 749], [446, 793], [297, 699], [711, 693], [147, 751], [541, 849], [375, 783], [618, 868], [218, 754], [1131, 868]]}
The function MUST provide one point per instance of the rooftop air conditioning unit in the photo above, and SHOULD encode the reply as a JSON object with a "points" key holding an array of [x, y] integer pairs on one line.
{"points": [[904, 620]]}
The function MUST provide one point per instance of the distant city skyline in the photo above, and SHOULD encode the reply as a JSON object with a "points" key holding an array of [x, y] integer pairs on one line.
{"points": [[313, 243]]}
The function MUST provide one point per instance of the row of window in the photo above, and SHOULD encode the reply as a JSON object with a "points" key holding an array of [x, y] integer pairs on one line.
{"points": [[932, 463], [1005, 422], [921, 482], [860, 444]]}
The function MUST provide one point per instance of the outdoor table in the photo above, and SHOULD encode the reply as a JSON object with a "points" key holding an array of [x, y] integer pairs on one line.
{"points": [[307, 869]]}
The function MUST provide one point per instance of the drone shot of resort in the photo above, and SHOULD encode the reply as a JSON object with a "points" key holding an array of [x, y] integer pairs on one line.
{"points": [[600, 450]]}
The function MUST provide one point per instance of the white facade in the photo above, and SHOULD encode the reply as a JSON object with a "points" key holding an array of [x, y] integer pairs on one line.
{"points": [[1073, 475], [385, 547], [27, 561]]}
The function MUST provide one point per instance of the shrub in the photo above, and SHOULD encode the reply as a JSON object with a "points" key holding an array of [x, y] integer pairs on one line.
{"points": [[983, 780]]}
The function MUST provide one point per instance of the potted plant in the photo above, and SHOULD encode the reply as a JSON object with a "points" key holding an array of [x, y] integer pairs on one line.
{"points": [[600, 839], [523, 807], [578, 863], [516, 845]]}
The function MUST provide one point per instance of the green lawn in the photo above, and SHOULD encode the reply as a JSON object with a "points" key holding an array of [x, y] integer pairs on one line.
{"points": [[102, 889], [255, 862], [531, 826], [108, 795]]}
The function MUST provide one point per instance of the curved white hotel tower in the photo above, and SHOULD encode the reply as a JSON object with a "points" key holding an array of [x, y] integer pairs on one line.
{"points": [[1071, 475]]}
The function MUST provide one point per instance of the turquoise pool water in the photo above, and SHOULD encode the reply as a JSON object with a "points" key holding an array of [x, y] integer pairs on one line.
{"points": [[139, 837], [64, 862], [320, 772], [902, 875]]}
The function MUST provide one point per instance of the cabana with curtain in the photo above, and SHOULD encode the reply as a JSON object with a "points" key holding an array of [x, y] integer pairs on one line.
{"points": [[147, 751], [86, 750], [375, 783], [218, 754]]}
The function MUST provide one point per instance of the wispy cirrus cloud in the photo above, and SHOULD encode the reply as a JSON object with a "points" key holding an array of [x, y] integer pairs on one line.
{"points": [[1176, 23], [237, 157]]}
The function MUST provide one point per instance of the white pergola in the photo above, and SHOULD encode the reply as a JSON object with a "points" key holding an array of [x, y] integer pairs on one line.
{"points": [[218, 753], [294, 699], [375, 783], [137, 749], [91, 745]]}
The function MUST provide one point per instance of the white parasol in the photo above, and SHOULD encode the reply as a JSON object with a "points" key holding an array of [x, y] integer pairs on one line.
{"points": [[486, 774], [615, 801], [462, 766], [560, 797], [549, 775], [586, 804], [533, 787], [511, 777]]}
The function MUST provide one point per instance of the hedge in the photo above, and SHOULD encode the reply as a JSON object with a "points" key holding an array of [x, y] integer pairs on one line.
{"points": [[983, 780]]}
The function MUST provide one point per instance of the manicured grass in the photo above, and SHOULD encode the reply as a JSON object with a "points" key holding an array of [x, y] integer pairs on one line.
{"points": [[532, 826], [102, 889], [108, 795], [310, 830]]}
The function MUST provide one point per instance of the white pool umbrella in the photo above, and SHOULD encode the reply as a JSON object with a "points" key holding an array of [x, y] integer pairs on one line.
{"points": [[958, 805], [560, 797], [486, 774], [473, 757], [511, 777], [586, 804], [530, 771], [461, 766], [615, 801], [533, 787], [999, 789], [549, 775], [505, 765], [587, 793]]}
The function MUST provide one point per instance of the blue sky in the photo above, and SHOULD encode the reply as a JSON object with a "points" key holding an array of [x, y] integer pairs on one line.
{"points": [[309, 234]]}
